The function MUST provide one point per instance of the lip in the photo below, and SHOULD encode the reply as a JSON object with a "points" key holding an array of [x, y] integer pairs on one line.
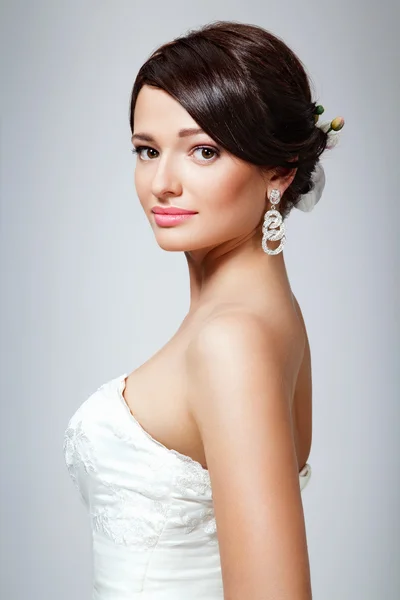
{"points": [[168, 220], [172, 210]]}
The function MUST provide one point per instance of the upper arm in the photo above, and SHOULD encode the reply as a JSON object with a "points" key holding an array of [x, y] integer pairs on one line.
{"points": [[239, 392]]}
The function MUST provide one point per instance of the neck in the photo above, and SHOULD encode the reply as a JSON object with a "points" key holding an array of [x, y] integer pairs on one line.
{"points": [[235, 271]]}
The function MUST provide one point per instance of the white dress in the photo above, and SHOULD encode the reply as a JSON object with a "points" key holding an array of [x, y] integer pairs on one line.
{"points": [[151, 513]]}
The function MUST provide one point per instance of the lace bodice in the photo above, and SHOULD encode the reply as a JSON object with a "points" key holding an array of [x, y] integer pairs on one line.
{"points": [[151, 511]]}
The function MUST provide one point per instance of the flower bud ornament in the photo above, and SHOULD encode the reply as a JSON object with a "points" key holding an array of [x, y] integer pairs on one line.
{"points": [[307, 201], [331, 128]]}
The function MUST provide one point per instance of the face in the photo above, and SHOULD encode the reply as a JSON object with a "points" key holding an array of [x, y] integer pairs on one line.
{"points": [[178, 165]]}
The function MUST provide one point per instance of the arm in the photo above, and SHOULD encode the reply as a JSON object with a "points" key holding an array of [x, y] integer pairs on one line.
{"points": [[240, 384]]}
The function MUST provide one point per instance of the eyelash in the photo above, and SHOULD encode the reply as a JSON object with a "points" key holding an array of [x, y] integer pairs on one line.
{"points": [[138, 149]]}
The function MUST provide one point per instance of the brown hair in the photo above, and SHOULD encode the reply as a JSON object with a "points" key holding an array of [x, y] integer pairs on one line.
{"points": [[248, 91]]}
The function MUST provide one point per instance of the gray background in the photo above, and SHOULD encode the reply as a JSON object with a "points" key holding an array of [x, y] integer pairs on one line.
{"points": [[84, 285]]}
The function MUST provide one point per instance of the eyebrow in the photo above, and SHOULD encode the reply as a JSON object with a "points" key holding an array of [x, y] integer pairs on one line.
{"points": [[181, 134]]}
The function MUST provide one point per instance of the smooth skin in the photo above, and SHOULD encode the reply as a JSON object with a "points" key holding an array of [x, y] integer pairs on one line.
{"points": [[244, 349], [241, 389]]}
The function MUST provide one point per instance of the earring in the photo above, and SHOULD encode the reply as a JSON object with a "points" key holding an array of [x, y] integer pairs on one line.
{"points": [[273, 219]]}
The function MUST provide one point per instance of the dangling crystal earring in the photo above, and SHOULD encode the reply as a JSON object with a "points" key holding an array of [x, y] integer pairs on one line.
{"points": [[273, 219]]}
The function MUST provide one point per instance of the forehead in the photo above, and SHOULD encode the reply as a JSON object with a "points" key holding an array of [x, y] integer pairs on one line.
{"points": [[155, 107]]}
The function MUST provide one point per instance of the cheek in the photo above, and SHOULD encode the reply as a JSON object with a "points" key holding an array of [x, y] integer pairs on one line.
{"points": [[142, 185], [235, 195]]}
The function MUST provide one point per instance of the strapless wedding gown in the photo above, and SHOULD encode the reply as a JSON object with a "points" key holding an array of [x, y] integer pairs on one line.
{"points": [[154, 535]]}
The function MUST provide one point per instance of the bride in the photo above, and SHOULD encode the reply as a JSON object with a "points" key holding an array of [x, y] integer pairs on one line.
{"points": [[192, 466]]}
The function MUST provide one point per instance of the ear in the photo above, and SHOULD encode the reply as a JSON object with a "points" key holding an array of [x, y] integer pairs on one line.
{"points": [[282, 177]]}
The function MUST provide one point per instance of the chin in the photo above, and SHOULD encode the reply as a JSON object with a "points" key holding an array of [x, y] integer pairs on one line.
{"points": [[179, 244], [171, 247], [169, 244]]}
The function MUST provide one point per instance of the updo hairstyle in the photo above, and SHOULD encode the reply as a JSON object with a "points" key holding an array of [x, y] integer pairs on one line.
{"points": [[248, 91]]}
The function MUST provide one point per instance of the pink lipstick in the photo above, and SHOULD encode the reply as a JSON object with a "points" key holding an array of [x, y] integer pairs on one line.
{"points": [[171, 215]]}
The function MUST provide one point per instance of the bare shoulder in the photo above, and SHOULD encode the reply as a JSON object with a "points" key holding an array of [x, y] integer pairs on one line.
{"points": [[234, 325], [239, 349], [238, 335], [240, 370]]}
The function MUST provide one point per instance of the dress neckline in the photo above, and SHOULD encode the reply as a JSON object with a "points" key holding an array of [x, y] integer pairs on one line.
{"points": [[305, 472], [188, 459]]}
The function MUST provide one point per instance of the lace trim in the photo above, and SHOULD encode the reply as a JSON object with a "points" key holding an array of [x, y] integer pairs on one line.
{"points": [[203, 519], [78, 450], [118, 519], [193, 478]]}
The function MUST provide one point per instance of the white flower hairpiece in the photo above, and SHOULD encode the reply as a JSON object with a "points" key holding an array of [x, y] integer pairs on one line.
{"points": [[307, 201]]}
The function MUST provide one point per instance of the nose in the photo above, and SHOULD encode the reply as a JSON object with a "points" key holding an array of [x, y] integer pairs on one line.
{"points": [[166, 180]]}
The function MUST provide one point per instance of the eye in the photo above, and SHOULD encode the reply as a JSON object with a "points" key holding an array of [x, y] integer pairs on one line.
{"points": [[139, 149], [207, 154]]}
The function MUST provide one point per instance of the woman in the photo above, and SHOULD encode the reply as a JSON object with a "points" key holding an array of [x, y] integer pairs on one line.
{"points": [[192, 465]]}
